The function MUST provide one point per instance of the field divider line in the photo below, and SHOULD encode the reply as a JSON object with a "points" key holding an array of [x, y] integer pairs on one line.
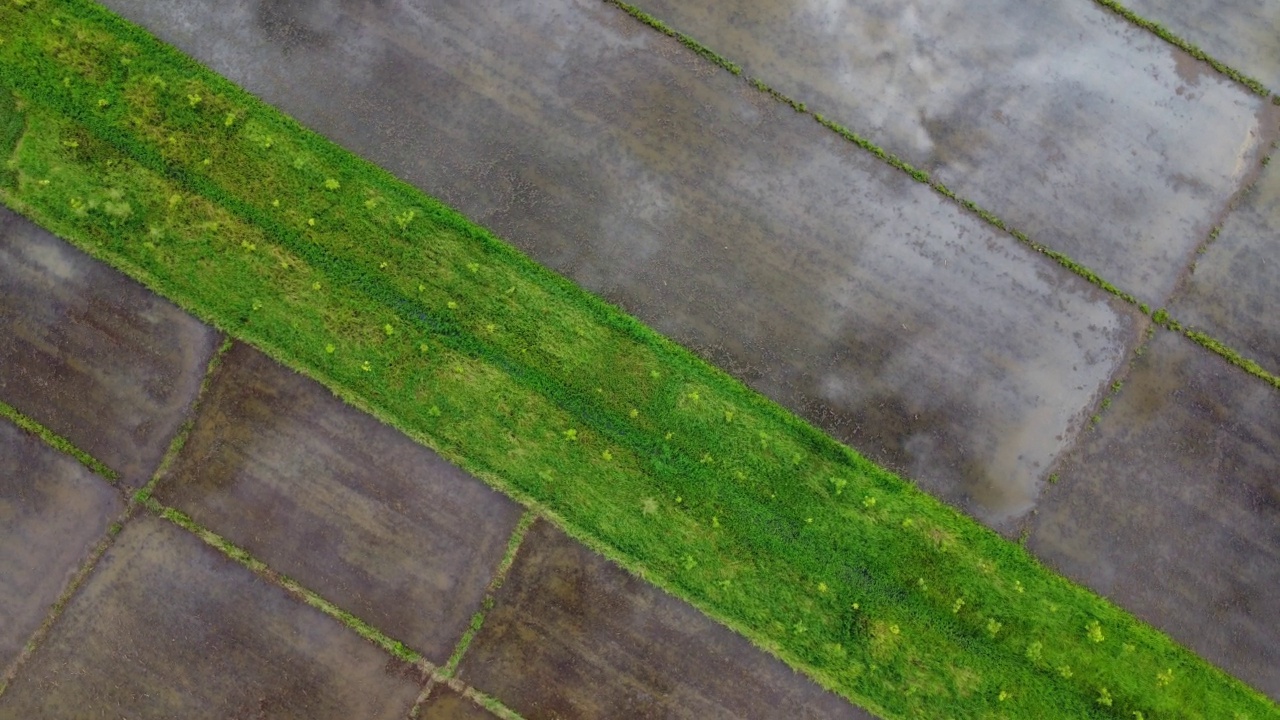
{"points": [[184, 431], [918, 174], [495, 583], [1160, 31], [375, 636], [923, 176], [64, 598], [446, 674], [59, 443], [484, 700]]}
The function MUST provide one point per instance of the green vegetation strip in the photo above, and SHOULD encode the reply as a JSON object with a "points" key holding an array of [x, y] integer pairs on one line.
{"points": [[488, 702], [366, 631], [1162, 318], [1168, 36], [54, 440], [72, 586], [683, 39], [180, 438], [401, 306], [477, 619]]}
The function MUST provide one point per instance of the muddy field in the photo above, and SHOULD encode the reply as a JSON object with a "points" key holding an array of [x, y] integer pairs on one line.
{"points": [[829, 281], [824, 278], [1240, 33], [1094, 137]]}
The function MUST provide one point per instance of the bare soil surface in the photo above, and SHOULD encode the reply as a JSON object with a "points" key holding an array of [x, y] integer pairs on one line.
{"points": [[573, 635], [349, 507], [52, 511], [169, 627], [92, 354], [1171, 508]]}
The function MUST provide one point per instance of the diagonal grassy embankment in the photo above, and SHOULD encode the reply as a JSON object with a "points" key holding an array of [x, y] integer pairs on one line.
{"points": [[142, 158]]}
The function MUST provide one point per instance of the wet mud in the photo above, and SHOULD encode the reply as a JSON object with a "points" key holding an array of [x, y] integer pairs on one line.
{"points": [[351, 508], [1240, 33], [816, 273], [1171, 508], [445, 704], [574, 636], [1234, 292], [1093, 136], [52, 512], [169, 627], [92, 354]]}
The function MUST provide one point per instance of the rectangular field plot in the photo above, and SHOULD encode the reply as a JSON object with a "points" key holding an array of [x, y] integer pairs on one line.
{"points": [[1091, 135], [1170, 508], [92, 354], [169, 627], [346, 505]]}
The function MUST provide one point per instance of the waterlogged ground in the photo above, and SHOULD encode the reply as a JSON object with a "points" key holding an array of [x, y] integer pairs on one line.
{"points": [[1241, 33], [831, 282], [1234, 293], [1172, 508], [821, 276], [1092, 136], [91, 354]]}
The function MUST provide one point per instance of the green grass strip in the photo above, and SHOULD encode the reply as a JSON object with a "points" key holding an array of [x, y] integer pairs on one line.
{"points": [[221, 544], [1162, 318], [57, 442], [490, 703], [1168, 36], [1234, 357], [150, 162]]}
